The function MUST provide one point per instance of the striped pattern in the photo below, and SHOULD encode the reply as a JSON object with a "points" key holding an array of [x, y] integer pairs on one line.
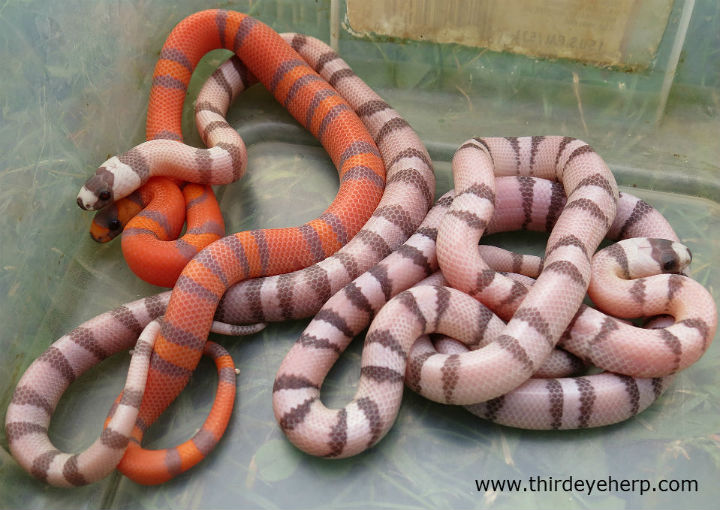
{"points": [[573, 403], [590, 401], [349, 311], [151, 251], [258, 253], [180, 458], [153, 219], [41, 387], [404, 204], [225, 160], [117, 330], [638, 278], [153, 216], [29, 413], [411, 313], [408, 195], [559, 402], [536, 326]]}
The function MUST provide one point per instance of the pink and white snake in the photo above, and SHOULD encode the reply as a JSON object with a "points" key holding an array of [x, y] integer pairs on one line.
{"points": [[491, 373], [407, 196], [345, 309]]}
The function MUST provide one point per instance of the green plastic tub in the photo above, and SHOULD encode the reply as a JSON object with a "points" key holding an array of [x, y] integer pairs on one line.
{"points": [[73, 90]]}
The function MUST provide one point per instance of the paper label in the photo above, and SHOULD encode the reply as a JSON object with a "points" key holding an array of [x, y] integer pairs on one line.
{"points": [[621, 33]]}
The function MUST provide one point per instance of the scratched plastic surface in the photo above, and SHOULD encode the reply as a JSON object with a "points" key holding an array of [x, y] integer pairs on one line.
{"points": [[74, 90]]}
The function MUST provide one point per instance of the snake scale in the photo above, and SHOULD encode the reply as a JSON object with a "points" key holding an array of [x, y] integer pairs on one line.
{"points": [[151, 220], [520, 349], [470, 378], [406, 198]]}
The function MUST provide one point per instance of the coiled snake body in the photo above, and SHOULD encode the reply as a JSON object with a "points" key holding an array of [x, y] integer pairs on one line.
{"points": [[467, 378], [205, 279], [519, 348], [405, 201], [153, 218]]}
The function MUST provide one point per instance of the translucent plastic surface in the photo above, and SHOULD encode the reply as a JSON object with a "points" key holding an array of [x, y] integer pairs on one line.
{"points": [[74, 89]]}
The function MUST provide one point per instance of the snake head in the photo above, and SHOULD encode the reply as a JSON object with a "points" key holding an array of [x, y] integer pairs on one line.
{"points": [[106, 226], [672, 257], [97, 191], [111, 221]]}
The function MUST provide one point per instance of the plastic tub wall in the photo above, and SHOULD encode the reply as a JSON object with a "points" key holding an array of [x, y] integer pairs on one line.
{"points": [[74, 89]]}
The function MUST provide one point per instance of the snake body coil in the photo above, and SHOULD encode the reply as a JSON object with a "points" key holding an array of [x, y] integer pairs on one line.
{"points": [[372, 258]]}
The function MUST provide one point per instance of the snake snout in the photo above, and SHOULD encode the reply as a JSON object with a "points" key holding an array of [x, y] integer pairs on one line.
{"points": [[685, 258]]}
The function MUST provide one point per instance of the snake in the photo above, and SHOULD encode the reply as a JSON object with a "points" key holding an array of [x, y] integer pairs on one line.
{"points": [[388, 361], [466, 271], [408, 194], [197, 292], [69, 353], [152, 216], [117, 330], [151, 220], [119, 319]]}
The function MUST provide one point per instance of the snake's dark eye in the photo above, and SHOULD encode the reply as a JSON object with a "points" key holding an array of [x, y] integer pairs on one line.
{"points": [[104, 195], [670, 263], [115, 225]]}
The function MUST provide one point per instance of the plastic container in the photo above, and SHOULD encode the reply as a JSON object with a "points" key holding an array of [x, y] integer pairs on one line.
{"points": [[74, 90]]}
